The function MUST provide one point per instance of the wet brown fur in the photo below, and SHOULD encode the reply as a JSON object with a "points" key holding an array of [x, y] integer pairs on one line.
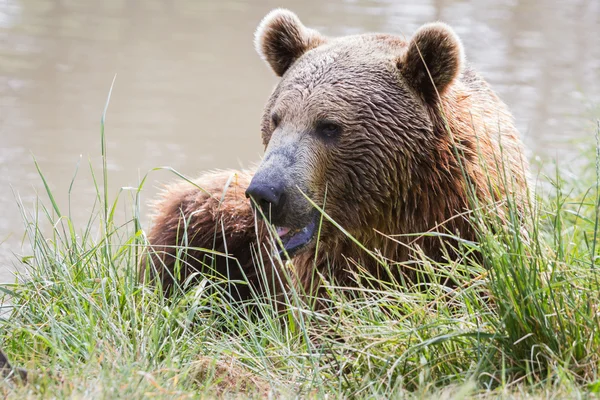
{"points": [[210, 219], [414, 140]]}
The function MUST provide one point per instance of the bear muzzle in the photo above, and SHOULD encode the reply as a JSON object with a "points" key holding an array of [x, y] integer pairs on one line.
{"points": [[269, 196]]}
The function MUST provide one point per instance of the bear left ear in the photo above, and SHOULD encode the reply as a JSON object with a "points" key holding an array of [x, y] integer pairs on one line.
{"points": [[433, 60], [281, 39]]}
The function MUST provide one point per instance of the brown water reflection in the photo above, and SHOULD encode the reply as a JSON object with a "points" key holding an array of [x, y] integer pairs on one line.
{"points": [[190, 89]]}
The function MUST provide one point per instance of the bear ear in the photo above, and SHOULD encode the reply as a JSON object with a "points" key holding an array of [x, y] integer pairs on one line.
{"points": [[433, 60], [281, 39]]}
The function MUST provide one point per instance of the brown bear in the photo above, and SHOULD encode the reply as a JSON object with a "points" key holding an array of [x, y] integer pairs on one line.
{"points": [[388, 136]]}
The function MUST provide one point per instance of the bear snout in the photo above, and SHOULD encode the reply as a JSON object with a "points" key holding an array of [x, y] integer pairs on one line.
{"points": [[266, 194]]}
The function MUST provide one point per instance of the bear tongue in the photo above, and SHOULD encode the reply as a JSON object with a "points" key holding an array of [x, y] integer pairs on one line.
{"points": [[295, 241], [282, 231]]}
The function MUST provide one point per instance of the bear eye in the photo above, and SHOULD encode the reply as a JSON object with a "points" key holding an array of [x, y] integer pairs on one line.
{"points": [[328, 130], [275, 120]]}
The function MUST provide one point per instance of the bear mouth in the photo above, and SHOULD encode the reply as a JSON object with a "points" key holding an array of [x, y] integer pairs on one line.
{"points": [[295, 240]]}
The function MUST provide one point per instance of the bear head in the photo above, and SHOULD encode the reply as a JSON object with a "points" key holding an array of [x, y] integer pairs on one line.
{"points": [[350, 126]]}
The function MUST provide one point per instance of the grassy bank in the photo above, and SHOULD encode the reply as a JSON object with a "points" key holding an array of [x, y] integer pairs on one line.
{"points": [[525, 325]]}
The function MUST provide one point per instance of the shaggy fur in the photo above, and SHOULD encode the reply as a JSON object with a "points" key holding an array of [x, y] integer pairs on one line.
{"points": [[210, 219], [414, 127]]}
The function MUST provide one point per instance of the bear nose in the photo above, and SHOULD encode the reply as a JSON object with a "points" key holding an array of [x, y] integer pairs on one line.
{"points": [[267, 195]]}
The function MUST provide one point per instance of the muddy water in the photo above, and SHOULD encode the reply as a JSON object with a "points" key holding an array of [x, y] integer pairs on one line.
{"points": [[190, 89]]}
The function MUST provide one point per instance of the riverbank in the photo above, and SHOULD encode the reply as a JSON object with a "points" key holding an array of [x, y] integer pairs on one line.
{"points": [[526, 325]]}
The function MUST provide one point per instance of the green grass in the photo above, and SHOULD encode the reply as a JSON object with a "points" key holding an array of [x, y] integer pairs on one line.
{"points": [[525, 326]]}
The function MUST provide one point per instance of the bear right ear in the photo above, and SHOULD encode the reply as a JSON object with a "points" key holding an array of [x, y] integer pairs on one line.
{"points": [[281, 39], [433, 60]]}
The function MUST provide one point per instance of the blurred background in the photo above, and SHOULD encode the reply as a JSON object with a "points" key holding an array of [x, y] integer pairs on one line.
{"points": [[190, 89]]}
